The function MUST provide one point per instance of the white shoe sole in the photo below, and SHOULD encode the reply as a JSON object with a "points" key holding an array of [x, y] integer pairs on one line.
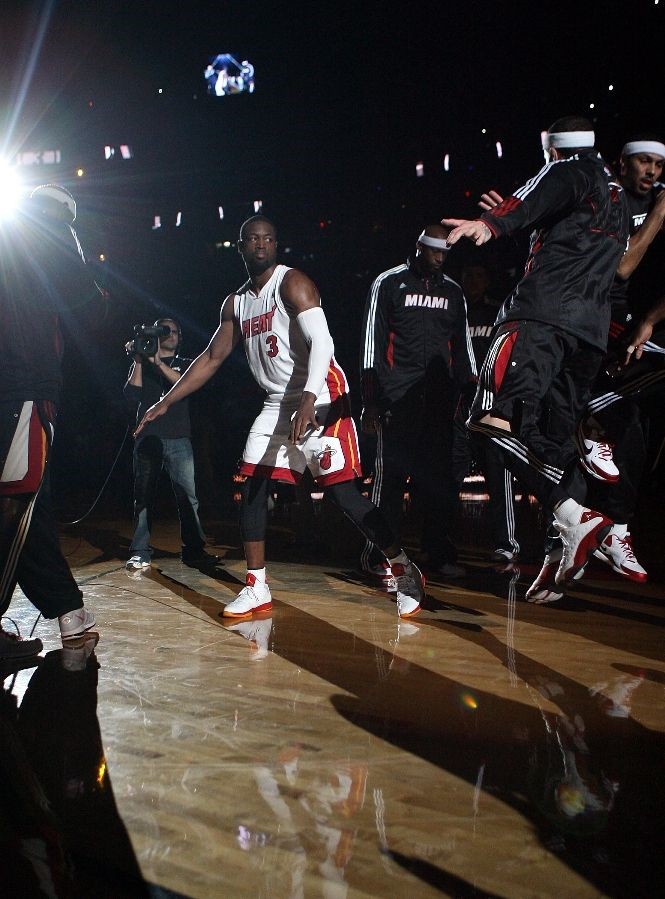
{"points": [[636, 576]]}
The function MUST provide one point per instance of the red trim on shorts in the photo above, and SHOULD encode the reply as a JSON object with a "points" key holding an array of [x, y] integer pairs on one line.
{"points": [[267, 471], [503, 358], [339, 477], [336, 380]]}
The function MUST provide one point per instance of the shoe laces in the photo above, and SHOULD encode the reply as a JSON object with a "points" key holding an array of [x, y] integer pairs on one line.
{"points": [[604, 451], [253, 587], [627, 548], [249, 591]]}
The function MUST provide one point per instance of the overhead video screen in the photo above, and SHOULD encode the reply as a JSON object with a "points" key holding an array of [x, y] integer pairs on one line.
{"points": [[225, 76]]}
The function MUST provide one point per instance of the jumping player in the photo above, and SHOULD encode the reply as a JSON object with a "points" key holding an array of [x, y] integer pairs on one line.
{"points": [[551, 335], [305, 420], [613, 438]]}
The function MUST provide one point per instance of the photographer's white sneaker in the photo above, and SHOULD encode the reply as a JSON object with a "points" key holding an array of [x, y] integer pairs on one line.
{"points": [[136, 563], [75, 623]]}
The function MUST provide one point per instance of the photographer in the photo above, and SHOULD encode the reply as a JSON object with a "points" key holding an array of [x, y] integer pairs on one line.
{"points": [[164, 443]]}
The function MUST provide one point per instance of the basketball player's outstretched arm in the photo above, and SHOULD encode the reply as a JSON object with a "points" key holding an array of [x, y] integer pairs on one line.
{"points": [[203, 367], [302, 301]]}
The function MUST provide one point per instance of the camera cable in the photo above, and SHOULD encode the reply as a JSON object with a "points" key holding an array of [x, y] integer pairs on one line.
{"points": [[103, 487]]}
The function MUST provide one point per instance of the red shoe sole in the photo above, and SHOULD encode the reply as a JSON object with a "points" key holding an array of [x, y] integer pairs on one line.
{"points": [[630, 575], [264, 608], [411, 614]]}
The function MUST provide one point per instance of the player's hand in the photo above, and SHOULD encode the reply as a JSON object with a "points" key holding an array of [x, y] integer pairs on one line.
{"points": [[658, 208], [638, 338], [369, 420], [151, 414], [490, 200], [475, 230], [138, 358], [305, 418]]}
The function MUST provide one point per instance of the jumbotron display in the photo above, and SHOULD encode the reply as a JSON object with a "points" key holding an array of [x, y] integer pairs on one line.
{"points": [[225, 76]]}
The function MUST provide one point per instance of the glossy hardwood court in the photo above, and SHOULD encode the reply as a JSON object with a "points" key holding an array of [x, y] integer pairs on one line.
{"points": [[487, 747]]}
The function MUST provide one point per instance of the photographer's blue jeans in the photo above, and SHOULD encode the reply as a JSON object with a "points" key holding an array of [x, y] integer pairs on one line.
{"points": [[151, 454]]}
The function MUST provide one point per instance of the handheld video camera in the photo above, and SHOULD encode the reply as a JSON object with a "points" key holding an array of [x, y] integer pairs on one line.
{"points": [[146, 339]]}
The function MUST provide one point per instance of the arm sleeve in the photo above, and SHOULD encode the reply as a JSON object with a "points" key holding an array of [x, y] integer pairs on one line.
{"points": [[373, 340], [554, 190], [314, 328]]}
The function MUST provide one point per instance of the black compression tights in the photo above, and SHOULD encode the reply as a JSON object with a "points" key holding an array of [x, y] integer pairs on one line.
{"points": [[362, 512], [254, 509], [369, 520]]}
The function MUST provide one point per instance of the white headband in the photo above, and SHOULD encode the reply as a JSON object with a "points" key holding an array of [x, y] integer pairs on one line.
{"points": [[437, 242], [569, 139], [644, 146]]}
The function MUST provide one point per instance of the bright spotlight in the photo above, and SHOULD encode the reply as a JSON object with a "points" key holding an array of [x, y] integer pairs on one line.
{"points": [[10, 191]]}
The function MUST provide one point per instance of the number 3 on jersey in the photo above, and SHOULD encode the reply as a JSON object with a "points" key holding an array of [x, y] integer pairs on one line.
{"points": [[273, 348]]}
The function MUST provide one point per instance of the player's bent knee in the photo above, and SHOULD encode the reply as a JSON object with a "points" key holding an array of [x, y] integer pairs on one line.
{"points": [[254, 509]]}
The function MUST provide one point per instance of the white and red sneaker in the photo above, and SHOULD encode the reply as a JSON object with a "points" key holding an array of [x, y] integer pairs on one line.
{"points": [[579, 542], [383, 577], [410, 584], [596, 458], [544, 588], [254, 597], [616, 550]]}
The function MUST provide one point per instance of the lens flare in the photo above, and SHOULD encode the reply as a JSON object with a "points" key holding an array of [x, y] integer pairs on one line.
{"points": [[10, 191]]}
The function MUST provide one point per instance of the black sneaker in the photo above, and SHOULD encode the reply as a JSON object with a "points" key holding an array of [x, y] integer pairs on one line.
{"points": [[503, 555], [200, 557], [13, 647]]}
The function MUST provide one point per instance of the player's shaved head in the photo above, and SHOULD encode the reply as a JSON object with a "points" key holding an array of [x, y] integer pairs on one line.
{"points": [[256, 220]]}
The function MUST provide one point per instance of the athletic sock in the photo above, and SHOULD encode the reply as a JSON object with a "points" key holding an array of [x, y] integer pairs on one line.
{"points": [[259, 574], [568, 512], [400, 559]]}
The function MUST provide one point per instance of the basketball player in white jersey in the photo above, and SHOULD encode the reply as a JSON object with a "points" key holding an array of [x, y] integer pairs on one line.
{"points": [[305, 420]]}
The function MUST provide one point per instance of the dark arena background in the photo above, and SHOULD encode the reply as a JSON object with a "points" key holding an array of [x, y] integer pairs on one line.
{"points": [[489, 747]]}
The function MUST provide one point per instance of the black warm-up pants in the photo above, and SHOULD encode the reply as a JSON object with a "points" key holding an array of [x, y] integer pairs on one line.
{"points": [[538, 378], [415, 441]]}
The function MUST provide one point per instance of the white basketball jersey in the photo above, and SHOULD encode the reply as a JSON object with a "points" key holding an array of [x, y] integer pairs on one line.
{"points": [[276, 350]]}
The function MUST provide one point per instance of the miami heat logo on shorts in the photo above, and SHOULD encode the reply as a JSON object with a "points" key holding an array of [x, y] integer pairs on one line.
{"points": [[325, 457]]}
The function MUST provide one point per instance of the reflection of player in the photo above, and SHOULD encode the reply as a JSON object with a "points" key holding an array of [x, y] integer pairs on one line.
{"points": [[305, 420], [257, 633], [320, 803]]}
